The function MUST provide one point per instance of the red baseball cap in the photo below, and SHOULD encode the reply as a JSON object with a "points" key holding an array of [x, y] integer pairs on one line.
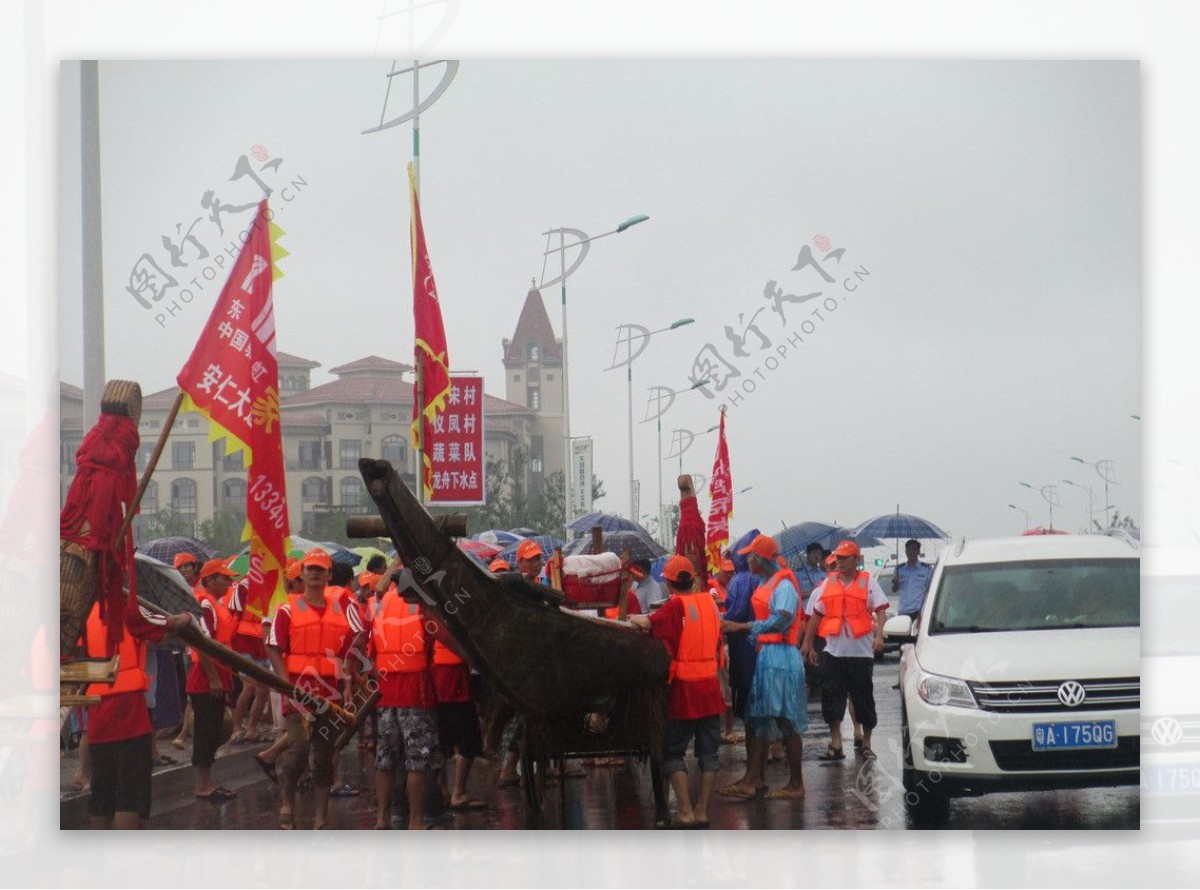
{"points": [[763, 546], [184, 559], [728, 566], [216, 567], [831, 562], [293, 569], [367, 580], [499, 565], [317, 557], [528, 550], [847, 548], [678, 566]]}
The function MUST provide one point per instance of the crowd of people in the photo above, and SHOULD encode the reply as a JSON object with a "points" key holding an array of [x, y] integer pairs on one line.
{"points": [[747, 646]]}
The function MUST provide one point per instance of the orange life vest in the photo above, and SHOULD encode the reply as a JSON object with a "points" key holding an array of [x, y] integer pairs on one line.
{"points": [[250, 621], [443, 654], [131, 666], [696, 655], [847, 604], [225, 623], [398, 630], [760, 602], [315, 642]]}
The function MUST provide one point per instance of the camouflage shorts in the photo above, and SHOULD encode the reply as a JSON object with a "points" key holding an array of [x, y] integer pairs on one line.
{"points": [[407, 739]]}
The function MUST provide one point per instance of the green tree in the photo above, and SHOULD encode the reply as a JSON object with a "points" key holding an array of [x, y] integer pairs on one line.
{"points": [[165, 523], [224, 530]]}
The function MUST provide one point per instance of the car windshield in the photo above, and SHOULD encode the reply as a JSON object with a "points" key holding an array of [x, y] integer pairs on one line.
{"points": [[1036, 595]]}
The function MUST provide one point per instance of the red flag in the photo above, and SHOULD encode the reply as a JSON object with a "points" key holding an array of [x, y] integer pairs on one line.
{"points": [[232, 377], [432, 359], [720, 492]]}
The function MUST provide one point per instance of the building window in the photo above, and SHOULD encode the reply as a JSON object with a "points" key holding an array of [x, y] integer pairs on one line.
{"points": [[233, 493], [534, 398], [535, 352], [183, 497], [394, 450], [349, 451], [535, 465], [351, 492], [69, 446], [310, 456], [143, 454], [233, 461], [312, 491], [183, 455], [149, 505]]}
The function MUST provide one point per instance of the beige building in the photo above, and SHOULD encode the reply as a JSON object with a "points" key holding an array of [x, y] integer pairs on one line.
{"points": [[365, 412]]}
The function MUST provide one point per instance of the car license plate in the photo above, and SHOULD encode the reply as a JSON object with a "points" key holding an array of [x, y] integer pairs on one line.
{"points": [[1162, 778], [1074, 735]]}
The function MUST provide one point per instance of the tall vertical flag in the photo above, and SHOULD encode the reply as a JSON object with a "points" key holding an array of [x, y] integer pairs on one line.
{"points": [[720, 492], [432, 360], [232, 378]]}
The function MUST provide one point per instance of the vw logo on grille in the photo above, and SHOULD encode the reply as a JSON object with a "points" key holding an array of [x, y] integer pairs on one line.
{"points": [[1071, 694], [1166, 731]]}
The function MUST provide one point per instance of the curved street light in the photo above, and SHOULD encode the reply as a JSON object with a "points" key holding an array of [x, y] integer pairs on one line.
{"points": [[661, 392], [1106, 471], [584, 245], [1024, 513]]}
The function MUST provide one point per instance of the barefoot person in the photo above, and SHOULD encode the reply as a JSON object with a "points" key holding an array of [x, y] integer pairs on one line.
{"points": [[689, 625], [777, 707]]}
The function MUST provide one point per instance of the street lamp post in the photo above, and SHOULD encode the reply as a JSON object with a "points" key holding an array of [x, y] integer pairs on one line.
{"points": [[1091, 501], [1050, 495], [1106, 471], [583, 243], [628, 363], [1024, 513], [660, 394]]}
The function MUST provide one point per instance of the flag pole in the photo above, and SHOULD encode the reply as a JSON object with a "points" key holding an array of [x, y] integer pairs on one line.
{"points": [[150, 465]]}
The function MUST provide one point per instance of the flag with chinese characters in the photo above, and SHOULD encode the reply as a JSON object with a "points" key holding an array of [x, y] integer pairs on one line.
{"points": [[232, 378], [432, 390], [720, 493], [455, 445]]}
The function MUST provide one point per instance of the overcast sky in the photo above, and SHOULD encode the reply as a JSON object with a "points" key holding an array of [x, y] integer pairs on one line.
{"points": [[994, 207]]}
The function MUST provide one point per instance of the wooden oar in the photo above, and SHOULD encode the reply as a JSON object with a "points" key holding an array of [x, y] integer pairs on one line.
{"points": [[194, 637]]}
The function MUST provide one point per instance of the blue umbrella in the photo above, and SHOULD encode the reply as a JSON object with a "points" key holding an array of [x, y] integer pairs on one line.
{"points": [[166, 549], [524, 532], [607, 521], [639, 545], [793, 541], [546, 542], [899, 525]]}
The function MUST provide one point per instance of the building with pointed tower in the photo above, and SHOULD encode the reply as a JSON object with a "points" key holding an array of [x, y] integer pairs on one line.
{"points": [[533, 377]]}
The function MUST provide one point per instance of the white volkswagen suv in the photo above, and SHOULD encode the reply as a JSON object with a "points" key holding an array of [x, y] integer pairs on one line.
{"points": [[1024, 670]]}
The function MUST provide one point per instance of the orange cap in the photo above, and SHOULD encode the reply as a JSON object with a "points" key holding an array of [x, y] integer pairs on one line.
{"points": [[293, 569], [499, 565], [728, 566], [528, 550], [847, 548], [678, 566], [183, 559], [831, 562], [216, 567], [367, 580], [317, 557], [763, 546]]}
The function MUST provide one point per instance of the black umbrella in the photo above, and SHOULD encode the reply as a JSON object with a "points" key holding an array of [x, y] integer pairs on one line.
{"points": [[162, 585], [166, 549], [639, 546]]}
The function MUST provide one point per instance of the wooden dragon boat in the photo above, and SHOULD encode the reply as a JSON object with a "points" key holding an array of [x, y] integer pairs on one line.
{"points": [[582, 685]]}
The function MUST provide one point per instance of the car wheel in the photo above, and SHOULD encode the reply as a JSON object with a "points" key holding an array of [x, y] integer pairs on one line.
{"points": [[927, 804]]}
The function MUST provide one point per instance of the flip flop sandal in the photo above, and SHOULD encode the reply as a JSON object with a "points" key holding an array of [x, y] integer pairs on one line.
{"points": [[832, 753], [287, 821], [165, 760], [268, 768], [345, 790], [217, 794], [471, 804], [781, 794], [867, 754], [737, 793], [858, 743]]}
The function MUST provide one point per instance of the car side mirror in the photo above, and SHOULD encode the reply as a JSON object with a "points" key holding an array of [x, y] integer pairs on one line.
{"points": [[901, 627]]}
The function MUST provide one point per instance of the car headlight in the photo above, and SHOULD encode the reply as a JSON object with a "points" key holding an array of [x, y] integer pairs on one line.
{"points": [[937, 690]]}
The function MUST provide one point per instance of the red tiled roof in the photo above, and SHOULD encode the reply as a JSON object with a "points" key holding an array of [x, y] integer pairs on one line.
{"points": [[164, 398], [386, 390], [69, 391], [372, 364], [297, 419], [533, 327], [294, 361]]}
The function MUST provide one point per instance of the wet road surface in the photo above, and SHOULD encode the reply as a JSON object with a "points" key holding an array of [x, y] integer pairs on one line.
{"points": [[848, 794]]}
